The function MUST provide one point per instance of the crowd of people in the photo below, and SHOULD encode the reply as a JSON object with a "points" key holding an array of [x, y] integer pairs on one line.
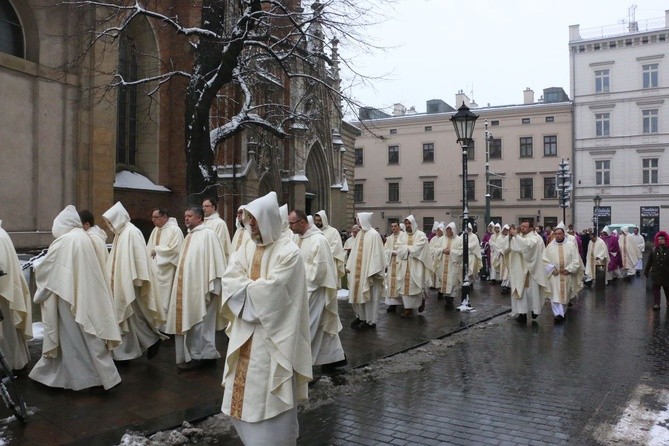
{"points": [[273, 288]]}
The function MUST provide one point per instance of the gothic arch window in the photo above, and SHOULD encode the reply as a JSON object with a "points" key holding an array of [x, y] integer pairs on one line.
{"points": [[11, 31], [318, 187], [126, 126], [137, 114]]}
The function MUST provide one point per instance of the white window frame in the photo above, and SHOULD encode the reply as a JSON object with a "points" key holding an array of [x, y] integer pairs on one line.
{"points": [[650, 75], [602, 172], [649, 121], [602, 80], [602, 124], [650, 170]]}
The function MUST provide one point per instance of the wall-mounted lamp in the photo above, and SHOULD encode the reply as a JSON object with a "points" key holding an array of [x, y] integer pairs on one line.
{"points": [[383, 214]]}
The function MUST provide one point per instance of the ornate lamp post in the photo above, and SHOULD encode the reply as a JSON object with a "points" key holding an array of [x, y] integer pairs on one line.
{"points": [[463, 122], [595, 219]]}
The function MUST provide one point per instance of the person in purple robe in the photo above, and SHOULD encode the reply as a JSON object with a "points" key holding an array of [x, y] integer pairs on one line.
{"points": [[614, 264]]}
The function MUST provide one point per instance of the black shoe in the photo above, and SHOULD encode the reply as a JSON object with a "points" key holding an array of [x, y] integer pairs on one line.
{"points": [[506, 290], [522, 318], [391, 309], [152, 351], [356, 323], [638, 273], [422, 306], [588, 283], [190, 365], [534, 315], [558, 319]]}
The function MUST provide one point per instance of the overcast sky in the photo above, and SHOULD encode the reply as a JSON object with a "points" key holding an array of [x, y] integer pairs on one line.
{"points": [[491, 49]]}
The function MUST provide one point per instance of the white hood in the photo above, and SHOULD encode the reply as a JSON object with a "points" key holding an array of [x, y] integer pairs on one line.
{"points": [[64, 222], [412, 219], [324, 219], [365, 219], [266, 212], [116, 217], [283, 212], [238, 224]]}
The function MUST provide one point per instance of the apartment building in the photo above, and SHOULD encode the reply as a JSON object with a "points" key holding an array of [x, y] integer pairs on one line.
{"points": [[620, 88], [410, 163]]}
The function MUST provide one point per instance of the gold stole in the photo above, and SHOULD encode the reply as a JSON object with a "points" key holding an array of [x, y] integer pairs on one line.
{"points": [[358, 265], [444, 276], [393, 271], [239, 240], [239, 385], [563, 277], [180, 286], [160, 231], [624, 253], [407, 275]]}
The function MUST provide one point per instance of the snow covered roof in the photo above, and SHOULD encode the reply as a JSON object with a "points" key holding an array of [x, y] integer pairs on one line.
{"points": [[131, 180]]}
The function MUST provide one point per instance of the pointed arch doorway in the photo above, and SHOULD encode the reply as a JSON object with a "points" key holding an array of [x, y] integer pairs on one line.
{"points": [[317, 194]]}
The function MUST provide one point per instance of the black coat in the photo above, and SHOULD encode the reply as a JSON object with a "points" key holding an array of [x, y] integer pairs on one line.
{"points": [[658, 266]]}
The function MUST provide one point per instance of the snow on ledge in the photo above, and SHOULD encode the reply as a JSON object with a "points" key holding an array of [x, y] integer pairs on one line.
{"points": [[131, 180]]}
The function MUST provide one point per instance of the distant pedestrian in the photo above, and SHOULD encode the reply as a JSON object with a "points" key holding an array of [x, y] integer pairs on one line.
{"points": [[658, 268], [629, 253], [597, 255], [641, 243]]}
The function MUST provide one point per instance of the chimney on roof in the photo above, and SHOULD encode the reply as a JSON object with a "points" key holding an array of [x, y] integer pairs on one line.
{"points": [[461, 97], [399, 110], [528, 96]]}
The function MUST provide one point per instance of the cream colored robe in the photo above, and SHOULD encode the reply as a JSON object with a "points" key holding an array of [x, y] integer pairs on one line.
{"points": [[598, 254], [201, 265], [448, 269], [434, 247], [136, 304], [264, 292], [321, 275], [241, 236], [527, 274], [629, 252], [558, 256], [166, 242], [80, 329], [336, 246], [16, 328], [393, 271], [414, 251], [99, 238], [220, 227], [475, 259]]}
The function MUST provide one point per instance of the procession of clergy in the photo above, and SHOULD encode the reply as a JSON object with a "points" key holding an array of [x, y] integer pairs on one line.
{"points": [[273, 288]]}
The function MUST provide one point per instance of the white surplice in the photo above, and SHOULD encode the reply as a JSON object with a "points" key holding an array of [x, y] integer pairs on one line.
{"points": [[166, 243]]}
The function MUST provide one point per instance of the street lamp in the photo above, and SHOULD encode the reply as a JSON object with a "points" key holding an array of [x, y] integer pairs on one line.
{"points": [[595, 219], [463, 122]]}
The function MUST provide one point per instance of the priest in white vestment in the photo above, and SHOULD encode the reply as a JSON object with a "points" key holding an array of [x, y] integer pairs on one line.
{"points": [[98, 236], [16, 306], [213, 221], [526, 272], [365, 267], [268, 362], [241, 235], [449, 267], [321, 275], [393, 298], [194, 306], [433, 246], [562, 264], [629, 253], [641, 243], [500, 259], [136, 304], [597, 255], [164, 246], [333, 237], [80, 329], [348, 243], [414, 252], [475, 257], [285, 229], [492, 246]]}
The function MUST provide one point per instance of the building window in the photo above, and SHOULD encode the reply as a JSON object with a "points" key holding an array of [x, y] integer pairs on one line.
{"points": [[428, 128], [126, 125], [603, 172], [393, 131], [549, 187], [525, 120], [602, 82], [649, 121], [428, 190], [428, 222], [495, 146], [496, 189], [393, 154], [650, 75], [602, 124], [650, 171], [11, 31], [550, 145], [428, 152], [359, 156], [358, 193], [471, 190], [494, 122], [526, 186], [471, 150], [550, 118], [526, 147], [393, 192]]}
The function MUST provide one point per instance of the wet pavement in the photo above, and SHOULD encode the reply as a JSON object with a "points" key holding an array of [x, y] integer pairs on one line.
{"points": [[488, 380]]}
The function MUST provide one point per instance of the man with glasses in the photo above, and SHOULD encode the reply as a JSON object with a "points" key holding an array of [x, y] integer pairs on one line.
{"points": [[164, 246]]}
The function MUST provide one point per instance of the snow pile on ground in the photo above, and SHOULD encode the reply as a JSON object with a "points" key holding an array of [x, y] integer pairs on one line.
{"points": [[206, 432], [38, 331], [342, 294], [644, 421]]}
